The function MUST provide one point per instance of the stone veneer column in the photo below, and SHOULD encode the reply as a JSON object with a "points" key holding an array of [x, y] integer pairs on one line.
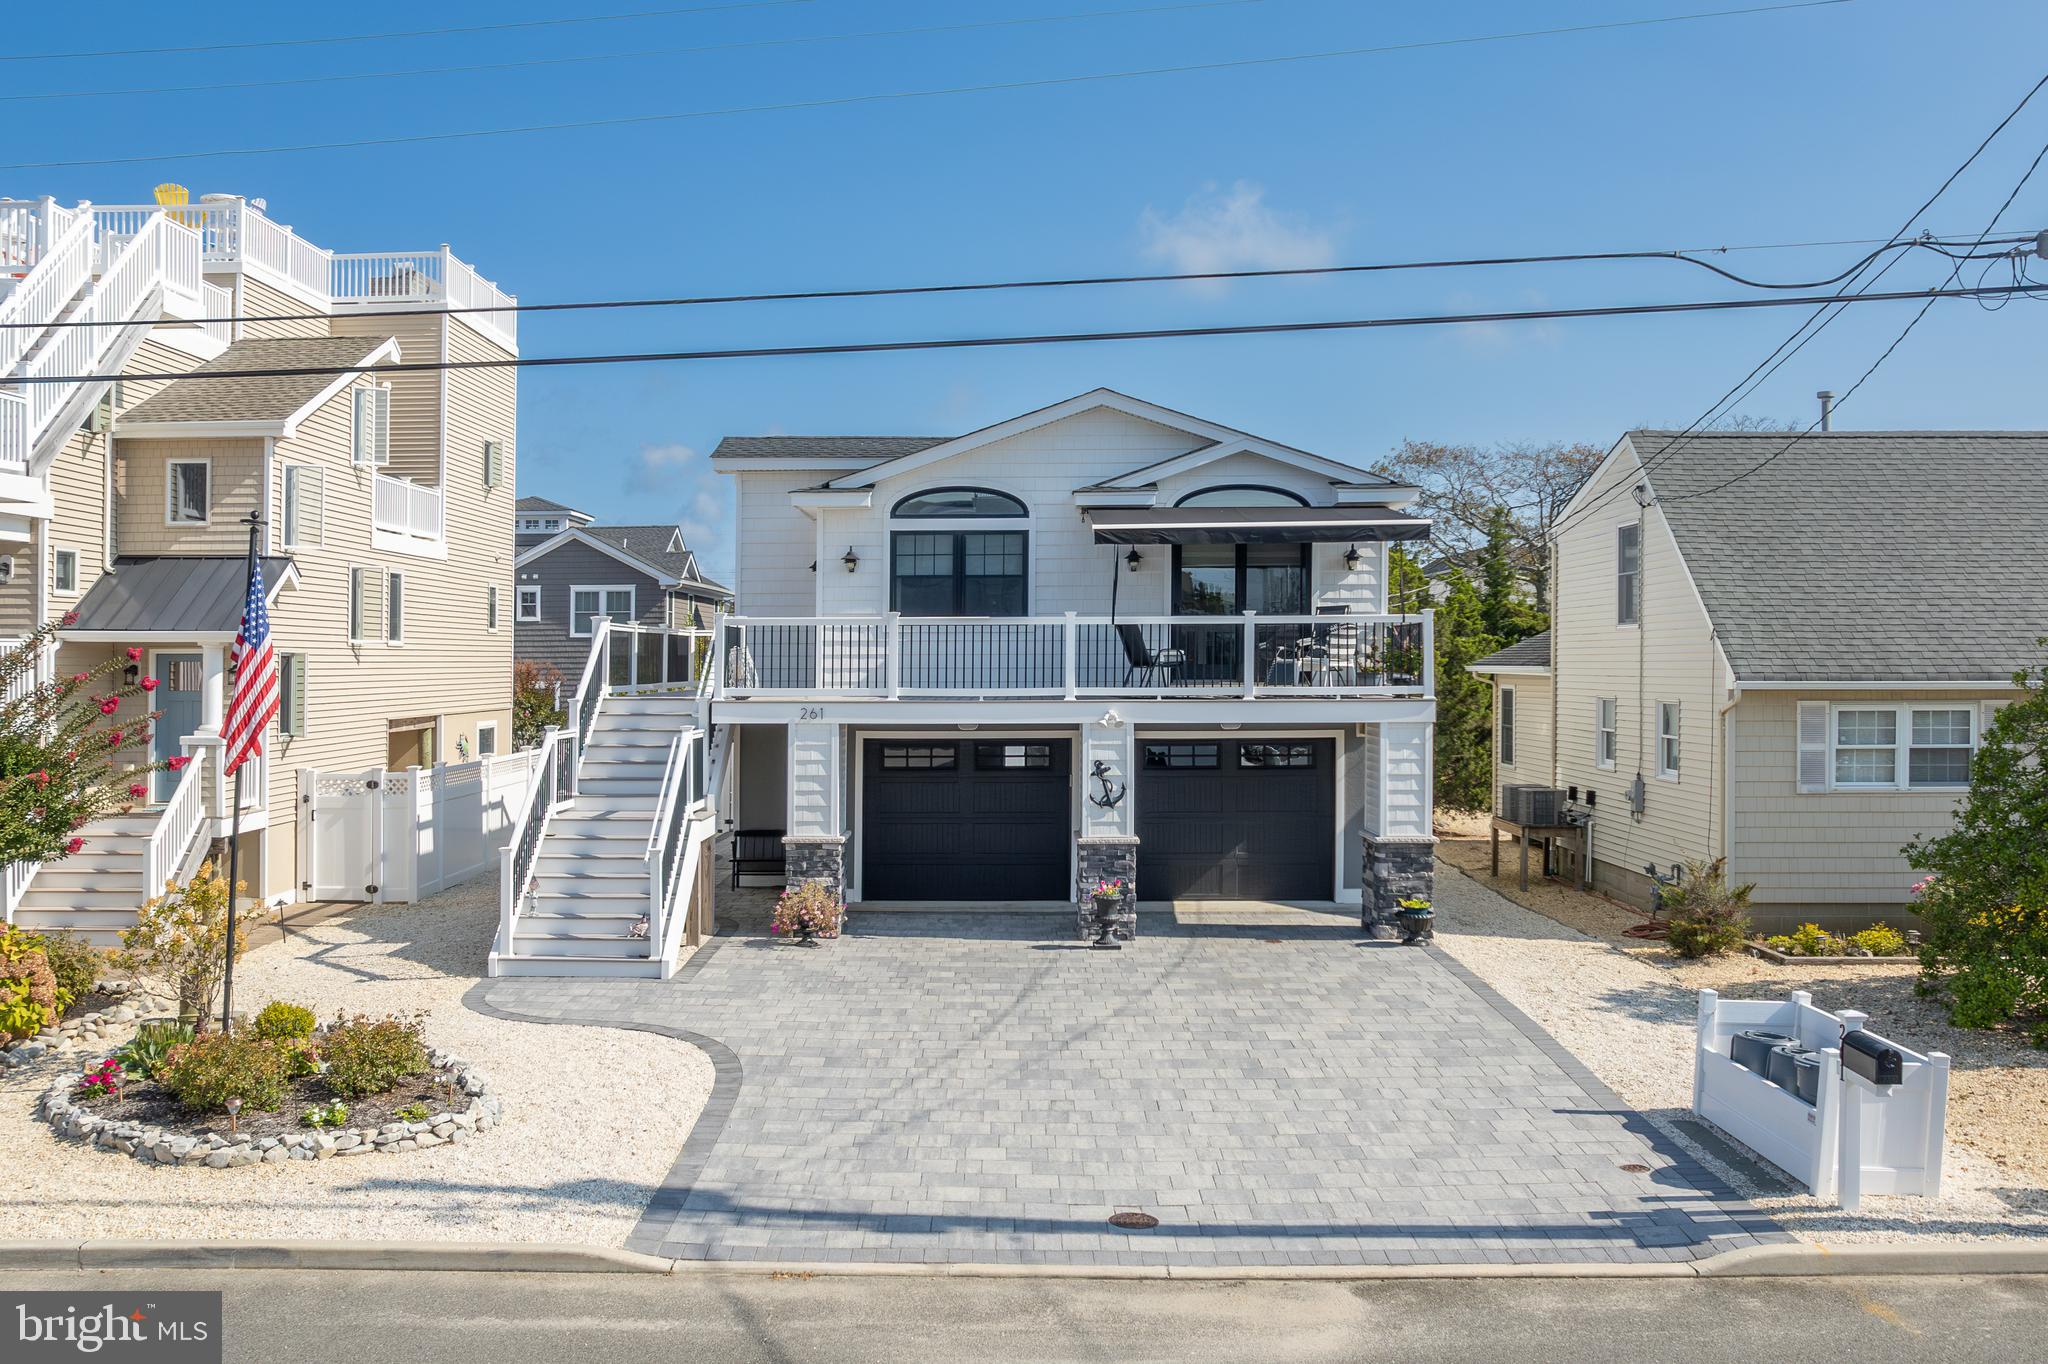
{"points": [[815, 845], [1399, 846], [1396, 869], [817, 858], [1101, 859]]}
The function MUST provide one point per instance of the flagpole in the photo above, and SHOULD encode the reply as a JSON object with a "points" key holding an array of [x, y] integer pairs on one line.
{"points": [[227, 989]]}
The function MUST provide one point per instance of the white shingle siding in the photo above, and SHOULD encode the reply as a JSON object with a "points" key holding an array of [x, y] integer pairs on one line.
{"points": [[1532, 732]]}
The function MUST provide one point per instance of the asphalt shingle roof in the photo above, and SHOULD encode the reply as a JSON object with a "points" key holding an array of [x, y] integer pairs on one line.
{"points": [[1863, 556], [650, 545], [271, 398], [173, 593], [1533, 652], [533, 504], [798, 448]]}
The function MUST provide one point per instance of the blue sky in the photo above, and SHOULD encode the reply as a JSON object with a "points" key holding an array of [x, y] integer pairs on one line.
{"points": [[1787, 127]]}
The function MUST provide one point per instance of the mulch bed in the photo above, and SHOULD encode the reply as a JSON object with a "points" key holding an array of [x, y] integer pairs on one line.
{"points": [[150, 1105]]}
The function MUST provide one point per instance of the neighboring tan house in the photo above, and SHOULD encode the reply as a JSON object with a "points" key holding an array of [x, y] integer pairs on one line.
{"points": [[570, 572], [386, 497], [1779, 654]]}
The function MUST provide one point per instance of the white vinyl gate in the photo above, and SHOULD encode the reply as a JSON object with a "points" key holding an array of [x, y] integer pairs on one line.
{"points": [[397, 836]]}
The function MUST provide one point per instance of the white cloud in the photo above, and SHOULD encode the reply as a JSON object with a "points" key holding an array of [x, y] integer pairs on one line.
{"points": [[1233, 229], [659, 466]]}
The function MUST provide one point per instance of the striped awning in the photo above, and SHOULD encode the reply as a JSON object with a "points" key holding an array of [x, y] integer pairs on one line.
{"points": [[1252, 525]]}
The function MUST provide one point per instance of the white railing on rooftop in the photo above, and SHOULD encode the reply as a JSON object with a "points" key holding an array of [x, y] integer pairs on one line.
{"points": [[28, 229], [217, 305], [402, 507], [58, 251], [403, 277]]}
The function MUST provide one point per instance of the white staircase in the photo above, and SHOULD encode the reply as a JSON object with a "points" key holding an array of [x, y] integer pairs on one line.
{"points": [[95, 892], [608, 872]]}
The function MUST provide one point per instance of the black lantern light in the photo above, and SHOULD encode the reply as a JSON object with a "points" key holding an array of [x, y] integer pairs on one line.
{"points": [[1352, 559], [850, 559], [1133, 559]]}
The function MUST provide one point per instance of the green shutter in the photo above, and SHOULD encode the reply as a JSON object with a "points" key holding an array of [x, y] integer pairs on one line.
{"points": [[292, 679], [492, 453]]}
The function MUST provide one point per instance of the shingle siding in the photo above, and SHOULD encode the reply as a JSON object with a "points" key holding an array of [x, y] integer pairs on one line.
{"points": [[570, 565]]}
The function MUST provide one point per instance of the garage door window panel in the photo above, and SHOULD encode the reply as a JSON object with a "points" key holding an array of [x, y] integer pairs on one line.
{"points": [[1182, 755]]}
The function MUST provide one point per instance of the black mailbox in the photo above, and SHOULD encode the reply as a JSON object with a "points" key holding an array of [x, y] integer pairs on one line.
{"points": [[1876, 1060]]}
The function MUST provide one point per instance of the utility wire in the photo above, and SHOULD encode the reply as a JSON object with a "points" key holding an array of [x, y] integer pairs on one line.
{"points": [[632, 55], [1898, 341], [898, 96], [1047, 339], [401, 33], [1083, 281], [1684, 438]]}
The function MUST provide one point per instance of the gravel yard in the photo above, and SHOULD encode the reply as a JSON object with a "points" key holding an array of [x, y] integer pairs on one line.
{"points": [[593, 1116], [1626, 1009]]}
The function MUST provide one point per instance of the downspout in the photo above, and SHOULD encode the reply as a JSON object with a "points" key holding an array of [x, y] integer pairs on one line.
{"points": [[1725, 713]]}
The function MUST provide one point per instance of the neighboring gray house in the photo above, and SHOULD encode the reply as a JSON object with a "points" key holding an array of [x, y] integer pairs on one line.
{"points": [[1776, 652], [570, 571]]}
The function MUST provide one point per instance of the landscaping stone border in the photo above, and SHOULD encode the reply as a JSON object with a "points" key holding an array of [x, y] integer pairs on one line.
{"points": [[137, 1000], [158, 1146], [1772, 954]]}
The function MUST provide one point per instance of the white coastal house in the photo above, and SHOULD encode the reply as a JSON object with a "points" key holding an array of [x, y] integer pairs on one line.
{"points": [[1771, 651]]}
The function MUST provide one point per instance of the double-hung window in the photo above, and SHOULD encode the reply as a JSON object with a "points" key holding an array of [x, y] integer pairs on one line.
{"points": [[1504, 726], [304, 494], [1901, 747], [953, 567], [394, 608], [187, 492], [1667, 740], [64, 571], [1628, 574], [529, 604], [1606, 732], [586, 604]]}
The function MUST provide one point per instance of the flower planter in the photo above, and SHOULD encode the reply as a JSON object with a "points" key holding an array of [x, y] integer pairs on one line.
{"points": [[1108, 912], [1417, 925], [1772, 954]]}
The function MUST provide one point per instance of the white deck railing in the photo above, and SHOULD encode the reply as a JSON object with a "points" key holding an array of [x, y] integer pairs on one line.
{"points": [[1072, 656], [57, 247], [371, 278], [177, 826], [218, 305], [401, 507]]}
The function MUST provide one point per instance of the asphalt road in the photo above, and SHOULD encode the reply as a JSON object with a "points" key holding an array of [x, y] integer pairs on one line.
{"points": [[312, 1317]]}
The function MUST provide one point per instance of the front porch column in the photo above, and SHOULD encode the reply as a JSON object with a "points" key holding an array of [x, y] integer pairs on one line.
{"points": [[1108, 842], [816, 842], [212, 686], [1399, 843]]}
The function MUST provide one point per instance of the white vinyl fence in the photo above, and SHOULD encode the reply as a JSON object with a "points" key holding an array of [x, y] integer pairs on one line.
{"points": [[391, 837], [1772, 1075]]}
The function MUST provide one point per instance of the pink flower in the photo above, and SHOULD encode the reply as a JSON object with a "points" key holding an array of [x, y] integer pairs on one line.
{"points": [[148, 684], [176, 763], [114, 737], [80, 677], [109, 706], [74, 845], [134, 654], [42, 777], [138, 790], [70, 618]]}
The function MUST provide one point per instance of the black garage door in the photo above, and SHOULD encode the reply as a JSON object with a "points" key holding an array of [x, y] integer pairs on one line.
{"points": [[1235, 819], [966, 819]]}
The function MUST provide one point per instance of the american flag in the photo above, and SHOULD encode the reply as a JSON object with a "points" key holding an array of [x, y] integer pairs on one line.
{"points": [[254, 702]]}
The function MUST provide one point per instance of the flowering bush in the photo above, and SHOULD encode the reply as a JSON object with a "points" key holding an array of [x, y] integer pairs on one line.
{"points": [[1879, 940], [205, 1073], [808, 905], [103, 1081], [369, 1056], [333, 1114], [1985, 901], [181, 937], [30, 997], [64, 758]]}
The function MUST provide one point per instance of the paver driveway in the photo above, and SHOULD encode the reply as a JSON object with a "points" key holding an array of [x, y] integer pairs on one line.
{"points": [[974, 1088]]}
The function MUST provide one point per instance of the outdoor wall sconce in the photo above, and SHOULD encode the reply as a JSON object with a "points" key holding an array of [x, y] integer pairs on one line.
{"points": [[850, 559], [1352, 559], [132, 674], [1133, 559]]}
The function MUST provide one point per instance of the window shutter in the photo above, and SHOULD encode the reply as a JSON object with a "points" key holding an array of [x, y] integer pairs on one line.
{"points": [[312, 506], [363, 428], [381, 404], [492, 452], [295, 713], [1813, 746]]}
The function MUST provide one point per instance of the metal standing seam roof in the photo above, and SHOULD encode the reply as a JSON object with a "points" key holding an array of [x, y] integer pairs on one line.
{"points": [[1533, 652], [269, 398], [174, 593], [1863, 556]]}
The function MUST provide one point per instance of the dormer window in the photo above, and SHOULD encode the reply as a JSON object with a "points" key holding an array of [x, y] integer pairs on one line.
{"points": [[965, 571]]}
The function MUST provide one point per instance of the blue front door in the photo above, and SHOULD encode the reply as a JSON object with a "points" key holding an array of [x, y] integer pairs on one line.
{"points": [[180, 696]]}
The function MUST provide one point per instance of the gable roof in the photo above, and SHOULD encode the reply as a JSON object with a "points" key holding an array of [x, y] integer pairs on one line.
{"points": [[657, 551], [174, 594], [1525, 655], [540, 506], [274, 400], [1832, 561], [830, 450]]}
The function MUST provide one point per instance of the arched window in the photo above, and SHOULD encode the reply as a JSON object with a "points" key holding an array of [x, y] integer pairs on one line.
{"points": [[959, 502], [1243, 495], [949, 571]]}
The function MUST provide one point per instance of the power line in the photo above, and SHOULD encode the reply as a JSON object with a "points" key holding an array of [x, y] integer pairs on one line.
{"points": [[1082, 281], [1874, 364], [401, 33], [897, 96], [1672, 448], [632, 55], [1047, 339]]}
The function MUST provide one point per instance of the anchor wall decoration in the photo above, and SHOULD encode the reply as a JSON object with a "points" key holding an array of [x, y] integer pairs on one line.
{"points": [[1112, 792]]}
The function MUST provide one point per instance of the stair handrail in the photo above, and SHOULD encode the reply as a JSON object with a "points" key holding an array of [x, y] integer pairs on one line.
{"points": [[684, 861], [583, 708], [521, 853], [49, 284], [667, 811], [183, 815]]}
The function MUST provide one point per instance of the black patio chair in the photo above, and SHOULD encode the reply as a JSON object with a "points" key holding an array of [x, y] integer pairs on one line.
{"points": [[1155, 666]]}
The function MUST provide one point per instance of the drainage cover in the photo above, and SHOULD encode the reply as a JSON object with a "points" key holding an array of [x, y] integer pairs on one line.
{"points": [[1633, 1169], [1133, 1221]]}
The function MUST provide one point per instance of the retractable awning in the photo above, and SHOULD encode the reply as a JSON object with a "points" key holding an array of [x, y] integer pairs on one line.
{"points": [[1252, 525]]}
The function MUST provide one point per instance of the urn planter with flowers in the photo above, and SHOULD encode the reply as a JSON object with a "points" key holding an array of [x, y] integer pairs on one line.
{"points": [[1417, 920], [807, 912], [1108, 896]]}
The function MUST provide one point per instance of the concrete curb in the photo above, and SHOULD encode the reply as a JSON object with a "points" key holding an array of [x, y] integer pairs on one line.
{"points": [[1773, 1261]]}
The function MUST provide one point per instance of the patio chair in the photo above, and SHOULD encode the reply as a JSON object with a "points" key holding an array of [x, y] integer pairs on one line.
{"points": [[1155, 667]]}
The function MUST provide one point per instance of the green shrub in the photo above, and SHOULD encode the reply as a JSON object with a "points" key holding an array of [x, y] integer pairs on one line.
{"points": [[282, 1022], [333, 1114], [205, 1073], [300, 1059], [28, 988], [1880, 940], [1811, 940], [75, 963], [152, 1044], [1708, 917], [368, 1056], [413, 1112]]}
